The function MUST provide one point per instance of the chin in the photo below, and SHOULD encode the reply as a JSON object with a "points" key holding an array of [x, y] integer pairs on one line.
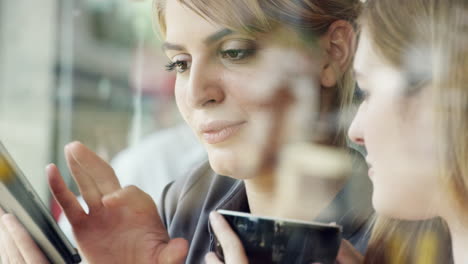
{"points": [[400, 209], [227, 163]]}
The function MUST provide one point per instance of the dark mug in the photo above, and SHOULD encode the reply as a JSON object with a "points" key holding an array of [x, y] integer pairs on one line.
{"points": [[271, 240]]}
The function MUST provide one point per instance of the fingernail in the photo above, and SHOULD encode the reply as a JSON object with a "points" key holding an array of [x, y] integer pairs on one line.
{"points": [[214, 217], [49, 166], [8, 220], [67, 146]]}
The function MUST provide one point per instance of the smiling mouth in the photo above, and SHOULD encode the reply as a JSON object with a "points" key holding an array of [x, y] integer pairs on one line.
{"points": [[219, 135]]}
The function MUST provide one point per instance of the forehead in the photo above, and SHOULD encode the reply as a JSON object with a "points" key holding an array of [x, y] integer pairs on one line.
{"points": [[371, 68], [184, 24], [187, 27], [366, 56]]}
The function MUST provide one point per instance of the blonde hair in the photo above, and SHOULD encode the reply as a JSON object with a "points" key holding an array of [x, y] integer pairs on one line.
{"points": [[428, 40], [310, 18]]}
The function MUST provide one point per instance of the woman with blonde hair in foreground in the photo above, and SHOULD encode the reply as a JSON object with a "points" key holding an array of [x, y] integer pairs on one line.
{"points": [[412, 66]]}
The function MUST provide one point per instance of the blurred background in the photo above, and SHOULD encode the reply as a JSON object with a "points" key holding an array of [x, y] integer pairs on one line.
{"points": [[88, 70]]}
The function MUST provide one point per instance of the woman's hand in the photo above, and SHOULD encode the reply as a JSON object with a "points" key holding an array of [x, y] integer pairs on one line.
{"points": [[234, 251], [348, 254], [16, 246], [123, 224], [232, 247]]}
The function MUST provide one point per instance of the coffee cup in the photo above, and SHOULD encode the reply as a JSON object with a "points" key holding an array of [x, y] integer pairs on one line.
{"points": [[274, 240]]}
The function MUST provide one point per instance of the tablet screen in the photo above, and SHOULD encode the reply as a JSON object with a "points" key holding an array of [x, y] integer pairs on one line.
{"points": [[19, 198]]}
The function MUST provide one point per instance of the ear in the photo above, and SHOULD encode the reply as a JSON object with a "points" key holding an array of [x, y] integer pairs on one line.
{"points": [[339, 44]]}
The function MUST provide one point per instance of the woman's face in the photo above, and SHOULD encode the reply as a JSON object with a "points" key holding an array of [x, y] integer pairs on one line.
{"points": [[398, 130], [243, 96]]}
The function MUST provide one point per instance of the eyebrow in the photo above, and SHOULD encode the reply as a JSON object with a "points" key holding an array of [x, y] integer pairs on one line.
{"points": [[217, 35], [208, 40], [169, 46]]}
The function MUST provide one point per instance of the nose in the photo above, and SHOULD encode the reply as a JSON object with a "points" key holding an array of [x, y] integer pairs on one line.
{"points": [[205, 87], [355, 132]]}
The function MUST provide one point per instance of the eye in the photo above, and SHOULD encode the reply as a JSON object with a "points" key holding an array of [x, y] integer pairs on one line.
{"points": [[236, 54], [237, 50], [179, 65], [414, 85], [361, 95]]}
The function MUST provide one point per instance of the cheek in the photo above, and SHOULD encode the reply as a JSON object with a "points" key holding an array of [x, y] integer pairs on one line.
{"points": [[400, 148], [239, 87], [418, 192], [380, 129], [249, 89], [422, 138], [259, 85], [180, 97]]}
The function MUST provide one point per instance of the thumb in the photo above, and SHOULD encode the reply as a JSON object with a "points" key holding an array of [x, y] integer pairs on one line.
{"points": [[174, 252], [348, 254]]}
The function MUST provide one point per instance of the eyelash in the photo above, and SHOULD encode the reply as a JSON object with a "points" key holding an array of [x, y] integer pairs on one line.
{"points": [[178, 65], [414, 85], [244, 53], [361, 95], [234, 55]]}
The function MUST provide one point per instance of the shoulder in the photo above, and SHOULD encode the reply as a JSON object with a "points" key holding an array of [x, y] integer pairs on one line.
{"points": [[190, 192], [189, 197], [177, 190]]}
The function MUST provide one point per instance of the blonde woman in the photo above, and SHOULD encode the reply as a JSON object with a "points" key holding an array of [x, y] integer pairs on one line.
{"points": [[412, 66], [252, 75]]}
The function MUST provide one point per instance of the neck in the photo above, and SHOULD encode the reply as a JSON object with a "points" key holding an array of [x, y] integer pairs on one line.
{"points": [[260, 192], [267, 198], [459, 235]]}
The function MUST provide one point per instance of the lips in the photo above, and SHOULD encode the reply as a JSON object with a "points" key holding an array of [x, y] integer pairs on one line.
{"points": [[219, 131]]}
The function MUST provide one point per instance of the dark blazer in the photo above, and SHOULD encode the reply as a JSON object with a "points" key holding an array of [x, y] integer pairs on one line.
{"points": [[186, 204]]}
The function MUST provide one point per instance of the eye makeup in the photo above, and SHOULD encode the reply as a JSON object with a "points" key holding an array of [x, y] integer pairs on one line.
{"points": [[237, 50], [414, 84], [416, 76], [360, 94], [230, 52], [180, 63], [180, 66], [237, 54]]}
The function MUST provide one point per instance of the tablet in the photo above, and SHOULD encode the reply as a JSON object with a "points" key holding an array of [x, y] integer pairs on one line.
{"points": [[18, 197]]}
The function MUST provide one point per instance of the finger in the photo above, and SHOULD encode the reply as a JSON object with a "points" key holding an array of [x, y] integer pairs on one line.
{"points": [[174, 252], [65, 198], [232, 246], [348, 254], [100, 171], [85, 182], [12, 253], [23, 241], [211, 258], [3, 251]]}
